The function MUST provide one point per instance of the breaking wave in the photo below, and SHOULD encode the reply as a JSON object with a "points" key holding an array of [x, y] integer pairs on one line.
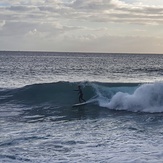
{"points": [[134, 97]]}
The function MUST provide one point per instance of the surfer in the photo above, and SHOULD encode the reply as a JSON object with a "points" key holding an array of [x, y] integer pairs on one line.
{"points": [[80, 94]]}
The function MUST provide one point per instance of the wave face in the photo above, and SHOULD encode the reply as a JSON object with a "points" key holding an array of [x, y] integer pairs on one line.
{"points": [[133, 97], [60, 93]]}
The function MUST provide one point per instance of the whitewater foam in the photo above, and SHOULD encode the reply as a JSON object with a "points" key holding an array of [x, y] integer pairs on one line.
{"points": [[146, 98]]}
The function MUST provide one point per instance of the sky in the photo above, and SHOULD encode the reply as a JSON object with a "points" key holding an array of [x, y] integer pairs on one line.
{"points": [[102, 26]]}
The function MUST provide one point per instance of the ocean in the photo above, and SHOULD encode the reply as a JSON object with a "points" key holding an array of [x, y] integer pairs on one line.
{"points": [[121, 122]]}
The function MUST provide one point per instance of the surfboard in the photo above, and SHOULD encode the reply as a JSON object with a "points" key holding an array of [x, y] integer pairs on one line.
{"points": [[79, 104]]}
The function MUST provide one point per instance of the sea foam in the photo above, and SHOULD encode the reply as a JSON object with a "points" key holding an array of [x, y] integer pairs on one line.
{"points": [[146, 98]]}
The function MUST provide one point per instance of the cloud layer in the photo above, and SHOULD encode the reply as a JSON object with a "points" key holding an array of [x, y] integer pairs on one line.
{"points": [[68, 21]]}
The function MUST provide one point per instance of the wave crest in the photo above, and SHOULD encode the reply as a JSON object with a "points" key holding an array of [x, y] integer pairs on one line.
{"points": [[133, 97]]}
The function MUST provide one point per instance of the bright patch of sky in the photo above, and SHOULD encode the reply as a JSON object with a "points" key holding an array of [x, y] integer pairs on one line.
{"points": [[145, 2], [150, 2], [3, 4]]}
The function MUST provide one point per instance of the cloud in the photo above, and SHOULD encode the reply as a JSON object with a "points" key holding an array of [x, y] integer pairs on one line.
{"points": [[90, 10], [92, 4], [78, 22], [118, 11], [107, 43], [2, 23]]}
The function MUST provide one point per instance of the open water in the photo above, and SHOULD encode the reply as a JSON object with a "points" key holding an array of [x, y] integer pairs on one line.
{"points": [[122, 122]]}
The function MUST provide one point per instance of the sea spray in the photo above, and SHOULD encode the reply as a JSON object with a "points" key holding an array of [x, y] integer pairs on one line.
{"points": [[146, 98]]}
